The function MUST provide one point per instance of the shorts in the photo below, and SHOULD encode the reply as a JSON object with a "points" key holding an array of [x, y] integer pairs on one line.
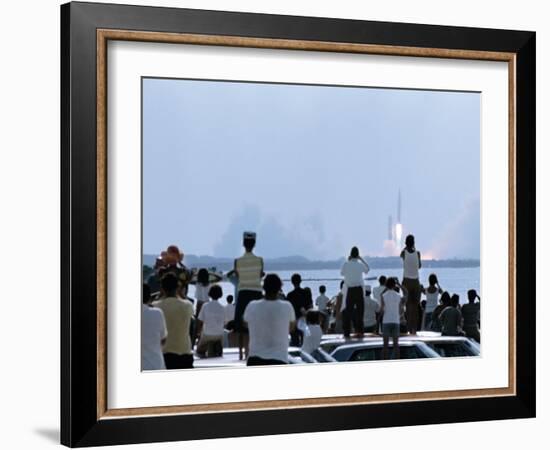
{"points": [[390, 330]]}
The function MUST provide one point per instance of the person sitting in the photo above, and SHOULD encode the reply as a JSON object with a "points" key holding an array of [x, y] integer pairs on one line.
{"points": [[269, 322], [451, 318], [177, 349], [211, 321], [313, 332], [471, 316]]}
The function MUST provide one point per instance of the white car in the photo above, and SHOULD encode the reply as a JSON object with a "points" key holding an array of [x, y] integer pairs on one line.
{"points": [[372, 350], [230, 358], [448, 346]]}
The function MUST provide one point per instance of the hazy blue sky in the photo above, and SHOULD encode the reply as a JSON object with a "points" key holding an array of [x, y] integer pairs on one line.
{"points": [[313, 169]]}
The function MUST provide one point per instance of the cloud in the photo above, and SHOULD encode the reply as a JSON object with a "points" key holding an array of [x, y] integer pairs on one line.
{"points": [[304, 237], [461, 236]]}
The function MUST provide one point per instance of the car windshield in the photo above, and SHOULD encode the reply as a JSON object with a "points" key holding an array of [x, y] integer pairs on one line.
{"points": [[375, 353], [452, 349]]}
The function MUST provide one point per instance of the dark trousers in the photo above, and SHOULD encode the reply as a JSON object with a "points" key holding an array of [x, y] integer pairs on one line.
{"points": [[296, 338], [175, 361], [244, 297], [413, 303], [257, 361], [355, 306]]}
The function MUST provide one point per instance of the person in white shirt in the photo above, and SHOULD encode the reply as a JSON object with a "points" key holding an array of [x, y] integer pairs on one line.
{"points": [[313, 332], [204, 280], [391, 308], [153, 334], [229, 312], [269, 321], [232, 339], [377, 290], [372, 307], [376, 293], [412, 262], [432, 292], [322, 305], [353, 302], [211, 325]]}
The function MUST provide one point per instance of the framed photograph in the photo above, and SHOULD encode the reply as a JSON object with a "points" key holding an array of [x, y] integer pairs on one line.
{"points": [[277, 224]]}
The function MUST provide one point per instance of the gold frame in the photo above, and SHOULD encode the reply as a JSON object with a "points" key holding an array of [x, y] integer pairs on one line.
{"points": [[104, 35]]}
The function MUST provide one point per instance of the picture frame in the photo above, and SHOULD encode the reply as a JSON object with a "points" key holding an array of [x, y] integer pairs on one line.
{"points": [[86, 28]]}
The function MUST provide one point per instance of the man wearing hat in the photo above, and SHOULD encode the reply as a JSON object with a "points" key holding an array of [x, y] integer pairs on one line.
{"points": [[250, 270]]}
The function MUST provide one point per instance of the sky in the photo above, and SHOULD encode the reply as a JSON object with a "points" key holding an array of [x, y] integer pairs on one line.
{"points": [[313, 170]]}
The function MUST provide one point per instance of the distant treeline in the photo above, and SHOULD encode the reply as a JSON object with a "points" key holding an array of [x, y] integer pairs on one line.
{"points": [[301, 263]]}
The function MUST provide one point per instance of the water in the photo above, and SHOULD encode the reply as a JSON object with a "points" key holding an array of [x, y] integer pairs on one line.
{"points": [[454, 280]]}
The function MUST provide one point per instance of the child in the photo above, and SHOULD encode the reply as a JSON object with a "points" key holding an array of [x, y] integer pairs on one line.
{"points": [[211, 317], [202, 287], [432, 292], [370, 319], [313, 332], [377, 291], [229, 322], [392, 309], [322, 305]]}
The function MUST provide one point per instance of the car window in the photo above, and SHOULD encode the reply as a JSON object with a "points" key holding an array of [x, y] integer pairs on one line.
{"points": [[365, 354], [373, 354], [451, 349], [411, 352]]}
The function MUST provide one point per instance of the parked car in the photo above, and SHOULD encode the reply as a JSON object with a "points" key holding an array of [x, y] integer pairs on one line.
{"points": [[449, 346], [321, 356], [372, 350], [230, 358]]}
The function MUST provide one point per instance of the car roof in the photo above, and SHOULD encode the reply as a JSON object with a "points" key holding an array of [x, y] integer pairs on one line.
{"points": [[359, 345], [424, 336], [230, 358]]}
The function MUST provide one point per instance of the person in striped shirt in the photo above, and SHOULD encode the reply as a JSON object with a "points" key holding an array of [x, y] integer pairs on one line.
{"points": [[250, 270]]}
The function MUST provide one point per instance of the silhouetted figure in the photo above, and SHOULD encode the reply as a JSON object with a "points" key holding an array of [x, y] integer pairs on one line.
{"points": [[301, 301], [411, 266], [353, 302], [471, 316]]}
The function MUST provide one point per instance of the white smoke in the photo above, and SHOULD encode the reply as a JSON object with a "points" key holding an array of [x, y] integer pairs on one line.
{"points": [[460, 238]]}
